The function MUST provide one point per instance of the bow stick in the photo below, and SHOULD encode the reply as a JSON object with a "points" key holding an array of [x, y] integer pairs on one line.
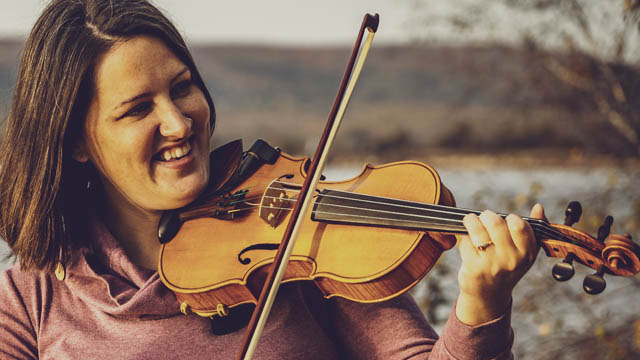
{"points": [[276, 272]]}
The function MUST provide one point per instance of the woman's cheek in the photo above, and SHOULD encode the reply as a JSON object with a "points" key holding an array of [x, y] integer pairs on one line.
{"points": [[196, 105]]}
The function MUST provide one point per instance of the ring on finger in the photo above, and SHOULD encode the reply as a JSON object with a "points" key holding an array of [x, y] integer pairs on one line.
{"points": [[483, 247]]}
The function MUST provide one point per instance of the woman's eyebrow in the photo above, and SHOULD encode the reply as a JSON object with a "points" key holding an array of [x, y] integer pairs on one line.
{"points": [[147, 93], [132, 99], [179, 74]]}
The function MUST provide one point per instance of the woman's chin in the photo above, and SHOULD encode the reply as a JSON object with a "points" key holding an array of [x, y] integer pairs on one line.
{"points": [[185, 191]]}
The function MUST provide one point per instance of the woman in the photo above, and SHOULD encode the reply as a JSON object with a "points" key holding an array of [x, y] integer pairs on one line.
{"points": [[109, 126]]}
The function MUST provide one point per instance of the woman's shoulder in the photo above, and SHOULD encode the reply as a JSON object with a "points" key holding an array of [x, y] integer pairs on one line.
{"points": [[15, 274], [21, 295], [22, 286]]}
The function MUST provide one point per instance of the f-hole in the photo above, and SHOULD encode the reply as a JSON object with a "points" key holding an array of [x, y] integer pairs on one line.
{"points": [[265, 246]]}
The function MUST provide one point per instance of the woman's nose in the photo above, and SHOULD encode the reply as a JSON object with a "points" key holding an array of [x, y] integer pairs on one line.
{"points": [[175, 124]]}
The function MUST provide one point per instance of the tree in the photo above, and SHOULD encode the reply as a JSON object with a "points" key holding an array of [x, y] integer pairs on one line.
{"points": [[591, 46]]}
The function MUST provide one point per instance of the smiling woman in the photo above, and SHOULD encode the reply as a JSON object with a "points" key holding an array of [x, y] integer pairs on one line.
{"points": [[147, 133], [111, 122], [55, 91]]}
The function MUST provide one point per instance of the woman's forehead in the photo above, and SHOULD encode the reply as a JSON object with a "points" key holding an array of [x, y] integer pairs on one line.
{"points": [[136, 65]]}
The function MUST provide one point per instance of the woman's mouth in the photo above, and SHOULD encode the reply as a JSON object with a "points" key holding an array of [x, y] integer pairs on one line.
{"points": [[175, 153]]}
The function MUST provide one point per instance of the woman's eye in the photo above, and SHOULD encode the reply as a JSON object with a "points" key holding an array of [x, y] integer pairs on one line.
{"points": [[138, 110], [181, 89]]}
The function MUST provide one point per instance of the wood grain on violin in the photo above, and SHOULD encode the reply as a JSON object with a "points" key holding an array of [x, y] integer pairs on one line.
{"points": [[373, 236], [226, 258]]}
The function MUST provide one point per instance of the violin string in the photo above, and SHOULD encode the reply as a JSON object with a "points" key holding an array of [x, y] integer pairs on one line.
{"points": [[540, 227], [536, 224], [382, 218], [462, 211], [422, 206], [379, 211], [439, 209]]}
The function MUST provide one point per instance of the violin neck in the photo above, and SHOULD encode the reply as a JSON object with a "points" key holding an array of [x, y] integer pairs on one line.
{"points": [[334, 206]]}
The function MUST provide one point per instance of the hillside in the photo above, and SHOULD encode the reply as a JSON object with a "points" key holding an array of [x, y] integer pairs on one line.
{"points": [[409, 99]]}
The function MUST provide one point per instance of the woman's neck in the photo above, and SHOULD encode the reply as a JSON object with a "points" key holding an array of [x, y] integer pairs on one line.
{"points": [[135, 229]]}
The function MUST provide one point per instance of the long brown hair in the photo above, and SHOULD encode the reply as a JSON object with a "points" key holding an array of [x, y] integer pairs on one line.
{"points": [[43, 191]]}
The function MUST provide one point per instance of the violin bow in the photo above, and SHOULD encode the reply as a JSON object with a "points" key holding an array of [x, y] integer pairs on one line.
{"points": [[276, 272]]}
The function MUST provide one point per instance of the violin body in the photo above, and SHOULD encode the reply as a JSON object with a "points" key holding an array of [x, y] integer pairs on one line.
{"points": [[220, 261], [367, 239]]}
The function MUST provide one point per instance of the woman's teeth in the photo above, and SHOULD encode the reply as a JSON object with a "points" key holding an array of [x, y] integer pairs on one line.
{"points": [[176, 152]]}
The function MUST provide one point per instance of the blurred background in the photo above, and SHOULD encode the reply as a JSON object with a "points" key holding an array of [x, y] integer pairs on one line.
{"points": [[512, 101]]}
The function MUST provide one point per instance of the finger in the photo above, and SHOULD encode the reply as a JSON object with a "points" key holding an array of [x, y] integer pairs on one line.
{"points": [[476, 230], [537, 212], [468, 252], [497, 230], [522, 236]]}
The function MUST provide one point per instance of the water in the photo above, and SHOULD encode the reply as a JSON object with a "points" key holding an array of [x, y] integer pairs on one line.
{"points": [[550, 319]]}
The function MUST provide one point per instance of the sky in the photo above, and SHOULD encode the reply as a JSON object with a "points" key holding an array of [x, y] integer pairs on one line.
{"points": [[335, 22], [294, 22]]}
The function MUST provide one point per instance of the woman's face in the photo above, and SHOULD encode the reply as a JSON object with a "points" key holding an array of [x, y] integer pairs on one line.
{"points": [[147, 128]]}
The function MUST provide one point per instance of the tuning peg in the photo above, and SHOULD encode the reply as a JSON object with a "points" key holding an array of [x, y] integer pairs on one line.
{"points": [[605, 229], [594, 284], [573, 213], [563, 270]]}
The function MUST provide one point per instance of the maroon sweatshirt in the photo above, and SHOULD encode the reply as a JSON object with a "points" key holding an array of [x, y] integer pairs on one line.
{"points": [[109, 308]]}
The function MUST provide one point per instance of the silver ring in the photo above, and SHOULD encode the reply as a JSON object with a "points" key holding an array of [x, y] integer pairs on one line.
{"points": [[484, 247]]}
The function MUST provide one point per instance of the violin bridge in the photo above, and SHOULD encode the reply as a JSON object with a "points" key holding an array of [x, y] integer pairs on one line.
{"points": [[274, 202]]}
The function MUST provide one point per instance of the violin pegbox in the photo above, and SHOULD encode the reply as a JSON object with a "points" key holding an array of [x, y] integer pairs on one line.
{"points": [[607, 253]]}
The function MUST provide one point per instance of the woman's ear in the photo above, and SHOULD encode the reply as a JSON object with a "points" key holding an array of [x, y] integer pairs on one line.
{"points": [[80, 153]]}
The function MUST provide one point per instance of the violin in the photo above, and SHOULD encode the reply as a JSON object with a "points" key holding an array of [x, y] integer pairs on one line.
{"points": [[368, 239]]}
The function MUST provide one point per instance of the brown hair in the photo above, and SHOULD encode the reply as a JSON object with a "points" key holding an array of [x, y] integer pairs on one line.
{"points": [[44, 192]]}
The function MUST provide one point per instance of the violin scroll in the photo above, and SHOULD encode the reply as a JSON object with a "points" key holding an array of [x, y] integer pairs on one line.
{"points": [[620, 255], [607, 253]]}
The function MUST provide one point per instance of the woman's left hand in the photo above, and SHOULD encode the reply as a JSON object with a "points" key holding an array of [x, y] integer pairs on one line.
{"points": [[495, 255]]}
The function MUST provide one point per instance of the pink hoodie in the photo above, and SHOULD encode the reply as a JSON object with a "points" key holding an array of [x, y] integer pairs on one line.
{"points": [[109, 308]]}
